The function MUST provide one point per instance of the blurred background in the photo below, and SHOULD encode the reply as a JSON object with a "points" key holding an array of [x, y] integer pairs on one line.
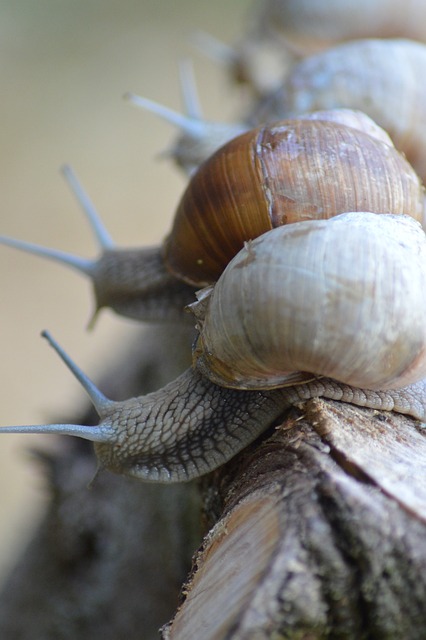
{"points": [[64, 67]]}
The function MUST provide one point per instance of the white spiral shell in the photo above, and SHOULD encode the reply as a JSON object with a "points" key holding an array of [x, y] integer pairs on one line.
{"points": [[342, 298]]}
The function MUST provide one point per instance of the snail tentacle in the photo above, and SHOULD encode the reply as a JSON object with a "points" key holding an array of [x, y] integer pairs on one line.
{"points": [[82, 265], [214, 48], [100, 232], [186, 123], [199, 138], [101, 403], [188, 88], [102, 432], [93, 433]]}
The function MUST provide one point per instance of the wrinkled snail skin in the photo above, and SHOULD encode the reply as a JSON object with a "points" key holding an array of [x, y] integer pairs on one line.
{"points": [[378, 77], [309, 25], [193, 426], [136, 284]]}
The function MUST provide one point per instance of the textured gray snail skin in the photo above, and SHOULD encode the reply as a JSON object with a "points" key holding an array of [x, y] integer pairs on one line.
{"points": [[193, 426], [150, 293]]}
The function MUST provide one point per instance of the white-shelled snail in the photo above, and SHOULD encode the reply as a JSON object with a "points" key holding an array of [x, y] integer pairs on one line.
{"points": [[293, 170], [306, 297], [193, 425], [309, 25], [281, 32]]}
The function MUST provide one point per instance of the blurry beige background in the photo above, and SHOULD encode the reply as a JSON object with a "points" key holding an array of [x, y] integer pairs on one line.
{"points": [[64, 67]]}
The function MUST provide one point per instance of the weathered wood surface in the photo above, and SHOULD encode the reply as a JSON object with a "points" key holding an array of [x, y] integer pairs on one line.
{"points": [[320, 533]]}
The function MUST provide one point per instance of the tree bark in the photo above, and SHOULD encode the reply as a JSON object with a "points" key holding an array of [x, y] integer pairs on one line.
{"points": [[318, 532]]}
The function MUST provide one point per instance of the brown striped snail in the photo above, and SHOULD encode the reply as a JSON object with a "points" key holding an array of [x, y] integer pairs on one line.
{"points": [[365, 281], [283, 172]]}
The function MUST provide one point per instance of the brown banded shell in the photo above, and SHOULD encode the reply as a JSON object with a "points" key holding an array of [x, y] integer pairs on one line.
{"points": [[327, 298], [350, 118], [283, 173]]}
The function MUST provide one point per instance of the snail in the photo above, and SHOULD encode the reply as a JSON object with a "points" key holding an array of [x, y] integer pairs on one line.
{"points": [[311, 25], [258, 62], [270, 176], [198, 137], [282, 32], [378, 77], [308, 295], [193, 425]]}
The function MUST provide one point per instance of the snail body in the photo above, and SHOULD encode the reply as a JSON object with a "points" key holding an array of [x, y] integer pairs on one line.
{"points": [[193, 425], [300, 169], [378, 77]]}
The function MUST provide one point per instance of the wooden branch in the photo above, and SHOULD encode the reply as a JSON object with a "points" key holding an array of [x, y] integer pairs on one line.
{"points": [[320, 533]]}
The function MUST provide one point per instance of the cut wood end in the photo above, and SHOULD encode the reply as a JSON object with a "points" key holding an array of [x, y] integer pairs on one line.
{"points": [[236, 554], [384, 447]]}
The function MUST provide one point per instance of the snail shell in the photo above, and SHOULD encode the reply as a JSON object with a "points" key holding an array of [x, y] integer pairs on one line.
{"points": [[309, 25], [351, 118], [378, 77], [283, 173], [342, 298]]}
